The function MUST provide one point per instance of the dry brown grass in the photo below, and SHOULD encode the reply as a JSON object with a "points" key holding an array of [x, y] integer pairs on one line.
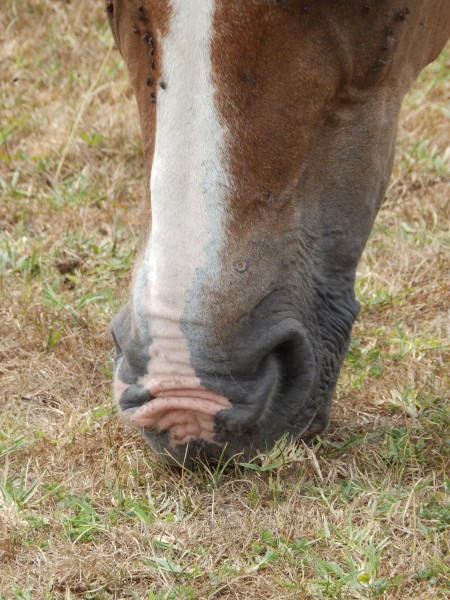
{"points": [[84, 510]]}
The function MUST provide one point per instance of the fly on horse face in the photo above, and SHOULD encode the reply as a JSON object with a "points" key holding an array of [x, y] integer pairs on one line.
{"points": [[269, 131]]}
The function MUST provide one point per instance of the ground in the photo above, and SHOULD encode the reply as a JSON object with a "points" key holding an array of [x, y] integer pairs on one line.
{"points": [[85, 509]]}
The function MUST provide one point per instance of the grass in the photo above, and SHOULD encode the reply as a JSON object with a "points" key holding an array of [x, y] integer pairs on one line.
{"points": [[85, 511]]}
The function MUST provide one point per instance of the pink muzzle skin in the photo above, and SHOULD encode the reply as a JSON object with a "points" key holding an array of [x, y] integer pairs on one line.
{"points": [[186, 413]]}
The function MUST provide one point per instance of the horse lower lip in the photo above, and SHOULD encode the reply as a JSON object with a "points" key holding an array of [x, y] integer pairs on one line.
{"points": [[150, 413], [182, 413]]}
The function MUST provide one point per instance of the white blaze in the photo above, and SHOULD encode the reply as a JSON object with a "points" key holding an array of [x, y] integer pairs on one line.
{"points": [[187, 190]]}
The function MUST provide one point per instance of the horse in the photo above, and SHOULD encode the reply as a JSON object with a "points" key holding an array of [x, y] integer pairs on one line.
{"points": [[269, 132]]}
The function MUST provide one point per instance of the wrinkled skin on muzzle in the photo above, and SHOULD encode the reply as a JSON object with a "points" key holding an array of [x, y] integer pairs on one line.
{"points": [[269, 132]]}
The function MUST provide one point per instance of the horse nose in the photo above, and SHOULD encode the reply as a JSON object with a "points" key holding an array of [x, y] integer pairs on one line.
{"points": [[228, 404]]}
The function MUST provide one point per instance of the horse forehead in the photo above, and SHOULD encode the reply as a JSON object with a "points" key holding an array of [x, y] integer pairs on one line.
{"points": [[272, 19], [262, 51]]}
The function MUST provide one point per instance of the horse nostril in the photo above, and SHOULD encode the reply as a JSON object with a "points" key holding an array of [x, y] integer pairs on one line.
{"points": [[118, 352], [133, 396], [284, 375], [294, 355]]}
